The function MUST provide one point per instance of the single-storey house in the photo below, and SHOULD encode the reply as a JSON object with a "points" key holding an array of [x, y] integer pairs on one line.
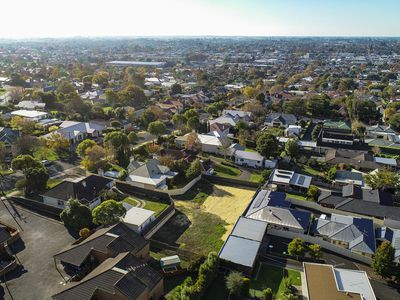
{"points": [[33, 115], [280, 120], [87, 191], [249, 159], [138, 218], [76, 132]]}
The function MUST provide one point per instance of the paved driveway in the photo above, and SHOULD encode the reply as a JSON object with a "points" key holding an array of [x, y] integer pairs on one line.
{"points": [[41, 239]]}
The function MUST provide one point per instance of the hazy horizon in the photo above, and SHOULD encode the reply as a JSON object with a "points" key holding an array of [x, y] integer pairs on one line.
{"points": [[199, 18]]}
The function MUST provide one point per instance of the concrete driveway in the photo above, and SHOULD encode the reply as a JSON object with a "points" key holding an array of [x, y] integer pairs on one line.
{"points": [[41, 238]]}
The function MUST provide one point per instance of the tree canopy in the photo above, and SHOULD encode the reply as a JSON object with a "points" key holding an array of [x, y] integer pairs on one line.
{"points": [[267, 144], [108, 212], [76, 215]]}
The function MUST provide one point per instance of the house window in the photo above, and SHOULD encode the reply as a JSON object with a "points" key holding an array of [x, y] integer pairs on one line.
{"points": [[60, 203]]}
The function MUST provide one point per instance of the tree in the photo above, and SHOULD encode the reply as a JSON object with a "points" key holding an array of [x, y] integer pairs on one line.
{"points": [[95, 158], [76, 215], [101, 78], [53, 128], [179, 120], [394, 121], [132, 137], [157, 128], [331, 173], [176, 88], [36, 179], [111, 97], [315, 133], [383, 179], [118, 142], [132, 95], [267, 294], [27, 126], [315, 250], [250, 92], [83, 146], [58, 143], [193, 123], [296, 247], [225, 145], [318, 105], [191, 113], [65, 87], [292, 148], [382, 262], [194, 170], [108, 212], [237, 284], [358, 128], [25, 162], [241, 125], [313, 192], [193, 142], [267, 144], [84, 232]]}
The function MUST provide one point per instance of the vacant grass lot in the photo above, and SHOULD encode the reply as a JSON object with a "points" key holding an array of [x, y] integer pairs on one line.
{"points": [[272, 277], [204, 217]]}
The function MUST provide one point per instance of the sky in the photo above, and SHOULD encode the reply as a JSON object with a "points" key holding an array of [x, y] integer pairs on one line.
{"points": [[70, 18]]}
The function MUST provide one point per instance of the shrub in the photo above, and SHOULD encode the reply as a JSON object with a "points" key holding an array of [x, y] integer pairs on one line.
{"points": [[313, 193], [267, 294], [84, 232]]}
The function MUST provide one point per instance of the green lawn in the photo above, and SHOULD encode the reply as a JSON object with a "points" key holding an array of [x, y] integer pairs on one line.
{"points": [[44, 153], [157, 207], [205, 233], [256, 177], [295, 196], [249, 150], [226, 171], [272, 277], [197, 194], [276, 131], [52, 182]]}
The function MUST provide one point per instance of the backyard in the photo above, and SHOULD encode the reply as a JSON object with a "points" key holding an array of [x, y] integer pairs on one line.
{"points": [[226, 171], [266, 277], [146, 203], [204, 217]]}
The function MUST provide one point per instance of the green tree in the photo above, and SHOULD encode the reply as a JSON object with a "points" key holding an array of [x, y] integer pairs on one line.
{"points": [[234, 283], [267, 294], [101, 78], [267, 144], [111, 97], [176, 88], [132, 95], [76, 215], [191, 113], [382, 262], [25, 162], [132, 137], [193, 123], [315, 250], [315, 132], [313, 193], [318, 105], [85, 144], [383, 179], [297, 247], [118, 141], [179, 120], [292, 148], [331, 173], [394, 121], [108, 212], [157, 128], [194, 170], [36, 179], [65, 87]]}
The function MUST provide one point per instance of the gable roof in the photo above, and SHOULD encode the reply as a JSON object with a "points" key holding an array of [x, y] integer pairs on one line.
{"points": [[8, 135], [109, 240], [125, 273], [84, 190], [286, 119]]}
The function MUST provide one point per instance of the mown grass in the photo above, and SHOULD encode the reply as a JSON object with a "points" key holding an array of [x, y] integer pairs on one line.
{"points": [[44, 153], [53, 182], [226, 171]]}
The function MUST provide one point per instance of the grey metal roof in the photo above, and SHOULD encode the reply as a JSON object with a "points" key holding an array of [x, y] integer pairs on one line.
{"points": [[250, 229], [240, 251]]}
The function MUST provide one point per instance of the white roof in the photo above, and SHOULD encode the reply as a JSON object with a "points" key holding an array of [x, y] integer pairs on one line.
{"points": [[137, 216], [282, 176], [240, 251], [155, 180], [28, 113], [354, 281], [248, 155], [209, 139]]}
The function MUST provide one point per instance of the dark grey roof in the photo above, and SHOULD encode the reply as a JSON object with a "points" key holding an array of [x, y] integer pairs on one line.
{"points": [[4, 234], [8, 135], [85, 189], [111, 240], [124, 273], [370, 209], [287, 119]]}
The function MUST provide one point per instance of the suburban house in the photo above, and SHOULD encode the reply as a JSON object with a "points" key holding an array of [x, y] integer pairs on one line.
{"points": [[280, 120], [272, 208], [340, 138], [149, 175], [224, 123], [326, 282], [88, 191], [222, 129], [123, 277], [104, 243], [382, 132], [355, 234], [33, 115], [30, 105], [76, 132], [242, 115], [138, 218], [171, 106], [289, 180], [293, 131], [246, 235], [358, 159], [345, 177], [249, 159], [210, 143], [392, 236], [8, 136]]}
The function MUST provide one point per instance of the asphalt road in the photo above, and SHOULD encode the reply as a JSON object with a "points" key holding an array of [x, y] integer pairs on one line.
{"points": [[41, 238]]}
